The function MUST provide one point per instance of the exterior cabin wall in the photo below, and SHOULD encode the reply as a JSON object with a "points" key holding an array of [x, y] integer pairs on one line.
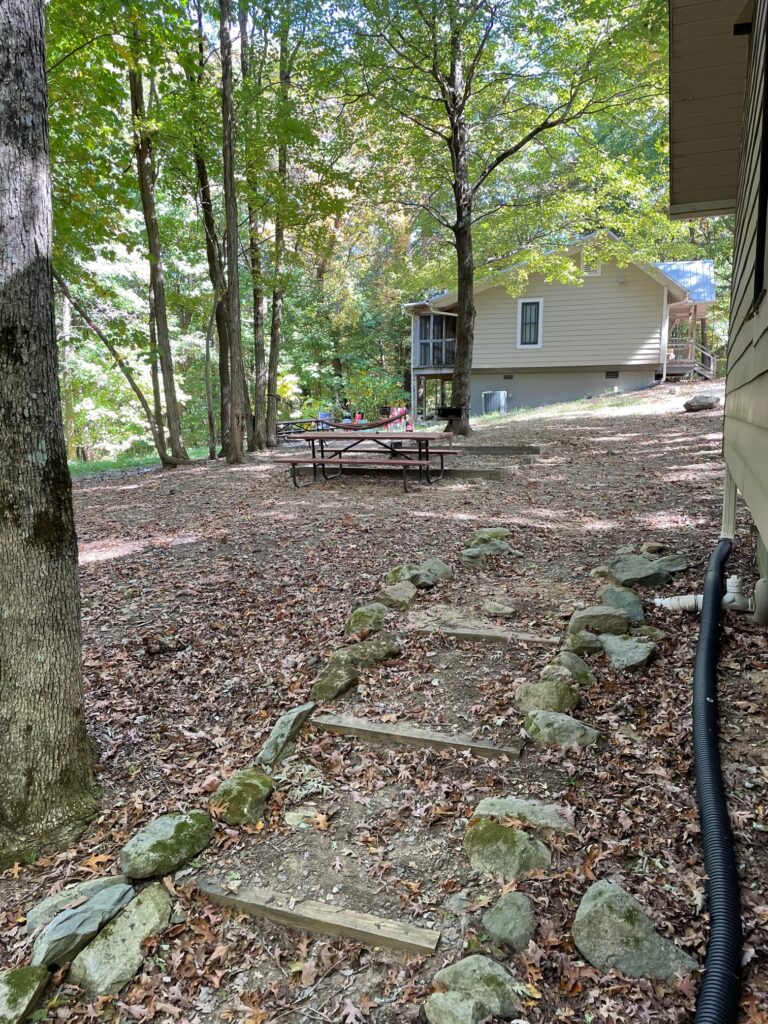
{"points": [[746, 403], [612, 319], [528, 389]]}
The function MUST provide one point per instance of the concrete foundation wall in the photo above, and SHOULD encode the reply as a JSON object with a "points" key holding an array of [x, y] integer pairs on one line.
{"points": [[533, 389]]}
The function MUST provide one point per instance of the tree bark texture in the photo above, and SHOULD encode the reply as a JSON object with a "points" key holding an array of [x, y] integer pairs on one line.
{"points": [[237, 368], [145, 167], [45, 757]]}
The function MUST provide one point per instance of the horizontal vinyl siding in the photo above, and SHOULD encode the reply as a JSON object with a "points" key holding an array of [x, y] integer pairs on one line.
{"points": [[600, 323], [746, 404]]}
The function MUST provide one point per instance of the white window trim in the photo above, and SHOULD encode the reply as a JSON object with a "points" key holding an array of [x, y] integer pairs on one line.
{"points": [[596, 270], [526, 348]]}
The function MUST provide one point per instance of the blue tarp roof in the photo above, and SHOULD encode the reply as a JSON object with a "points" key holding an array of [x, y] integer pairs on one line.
{"points": [[696, 276]]}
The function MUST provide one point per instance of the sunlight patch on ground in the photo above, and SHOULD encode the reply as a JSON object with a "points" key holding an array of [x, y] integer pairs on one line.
{"points": [[111, 547]]}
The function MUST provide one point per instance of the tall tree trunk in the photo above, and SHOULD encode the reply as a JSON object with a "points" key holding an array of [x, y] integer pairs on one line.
{"points": [[45, 757], [161, 442], [208, 394], [237, 369], [276, 329], [67, 405], [154, 420], [259, 349], [146, 175]]}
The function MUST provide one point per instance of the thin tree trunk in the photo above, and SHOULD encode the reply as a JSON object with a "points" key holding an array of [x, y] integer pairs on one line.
{"points": [[161, 441], [146, 176], [45, 757], [67, 405], [208, 394], [125, 369], [259, 350], [276, 329], [237, 369]]}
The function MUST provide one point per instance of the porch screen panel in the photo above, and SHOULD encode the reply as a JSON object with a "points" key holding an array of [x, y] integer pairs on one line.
{"points": [[425, 323], [529, 323]]}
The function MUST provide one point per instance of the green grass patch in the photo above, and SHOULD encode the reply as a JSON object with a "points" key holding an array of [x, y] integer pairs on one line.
{"points": [[122, 462]]}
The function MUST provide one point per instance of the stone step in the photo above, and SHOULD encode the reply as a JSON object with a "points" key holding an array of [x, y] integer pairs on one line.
{"points": [[410, 735], [313, 916], [478, 634]]}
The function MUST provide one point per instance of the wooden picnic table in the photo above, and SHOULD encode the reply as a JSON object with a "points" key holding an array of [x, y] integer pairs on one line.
{"points": [[406, 449]]}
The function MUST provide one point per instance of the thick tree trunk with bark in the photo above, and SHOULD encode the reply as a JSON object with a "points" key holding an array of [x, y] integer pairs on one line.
{"points": [[236, 367], [146, 174], [45, 757]]}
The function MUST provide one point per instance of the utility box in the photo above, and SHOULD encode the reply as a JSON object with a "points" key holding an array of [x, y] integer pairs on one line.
{"points": [[494, 401]]}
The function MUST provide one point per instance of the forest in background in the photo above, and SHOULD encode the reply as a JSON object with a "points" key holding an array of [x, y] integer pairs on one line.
{"points": [[297, 150]]}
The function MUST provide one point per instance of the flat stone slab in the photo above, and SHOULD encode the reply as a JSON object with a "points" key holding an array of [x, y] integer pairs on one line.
{"points": [[613, 932], [531, 812], [63, 938], [628, 653], [409, 735], [313, 916], [45, 911], [631, 570], [284, 732], [465, 624], [20, 990], [399, 596]]}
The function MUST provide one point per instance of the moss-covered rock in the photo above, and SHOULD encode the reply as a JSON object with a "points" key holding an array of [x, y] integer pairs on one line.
{"points": [[582, 642], [509, 852], [242, 798], [613, 932], [484, 980], [338, 676], [398, 595], [580, 672], [489, 533], [628, 653], [510, 921], [550, 728], [284, 731], [600, 618], [548, 695], [498, 609], [367, 653], [437, 567], [368, 618], [534, 813], [166, 844], [20, 990], [650, 632], [421, 578], [454, 1008], [625, 598], [472, 558]]}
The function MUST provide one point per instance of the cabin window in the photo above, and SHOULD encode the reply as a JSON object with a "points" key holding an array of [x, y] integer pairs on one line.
{"points": [[437, 339], [590, 265], [529, 320], [425, 328]]}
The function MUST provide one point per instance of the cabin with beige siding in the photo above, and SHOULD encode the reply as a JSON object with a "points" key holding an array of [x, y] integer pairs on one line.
{"points": [[557, 342], [727, 58]]}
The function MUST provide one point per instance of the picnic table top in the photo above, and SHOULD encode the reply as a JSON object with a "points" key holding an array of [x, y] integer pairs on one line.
{"points": [[382, 435]]}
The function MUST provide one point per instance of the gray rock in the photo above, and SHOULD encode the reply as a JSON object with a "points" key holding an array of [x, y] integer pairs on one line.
{"points": [[578, 668], [600, 618], [700, 403], [414, 574], [489, 533], [484, 980], [627, 600], [557, 673], [437, 567], [498, 610], [552, 728], [510, 921], [336, 678], [627, 653], [629, 570], [367, 653], [242, 798], [600, 572], [45, 911], [368, 618], [626, 549], [548, 695], [166, 844], [63, 938], [300, 817], [531, 812], [613, 932], [398, 595], [672, 563], [116, 954], [472, 558], [20, 989], [582, 642], [491, 546], [284, 732], [651, 632], [508, 852], [454, 1008]]}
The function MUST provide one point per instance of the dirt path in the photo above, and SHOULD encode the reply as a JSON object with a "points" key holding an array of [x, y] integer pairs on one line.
{"points": [[211, 597]]}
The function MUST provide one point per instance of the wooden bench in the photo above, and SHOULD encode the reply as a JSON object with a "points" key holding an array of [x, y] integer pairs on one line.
{"points": [[348, 460]]}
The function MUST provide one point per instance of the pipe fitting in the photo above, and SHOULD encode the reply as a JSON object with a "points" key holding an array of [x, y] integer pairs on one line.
{"points": [[734, 600]]}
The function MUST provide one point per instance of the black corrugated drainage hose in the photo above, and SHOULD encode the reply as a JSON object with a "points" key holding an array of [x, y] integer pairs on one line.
{"points": [[718, 999]]}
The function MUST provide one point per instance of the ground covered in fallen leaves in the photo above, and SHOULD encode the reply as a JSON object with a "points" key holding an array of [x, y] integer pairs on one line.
{"points": [[212, 596]]}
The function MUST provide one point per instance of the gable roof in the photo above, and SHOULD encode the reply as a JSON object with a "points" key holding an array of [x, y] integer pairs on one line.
{"points": [[696, 276]]}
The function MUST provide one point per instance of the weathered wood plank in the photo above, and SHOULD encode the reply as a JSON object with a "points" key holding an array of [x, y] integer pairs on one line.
{"points": [[313, 916], [487, 636], [409, 735]]}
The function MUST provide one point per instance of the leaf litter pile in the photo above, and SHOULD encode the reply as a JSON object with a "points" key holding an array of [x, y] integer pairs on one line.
{"points": [[211, 598]]}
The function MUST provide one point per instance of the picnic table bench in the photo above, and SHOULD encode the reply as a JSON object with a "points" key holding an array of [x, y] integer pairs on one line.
{"points": [[335, 450]]}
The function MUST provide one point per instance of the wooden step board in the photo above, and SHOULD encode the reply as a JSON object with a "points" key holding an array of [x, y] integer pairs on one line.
{"points": [[478, 634], [313, 916], [409, 735]]}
